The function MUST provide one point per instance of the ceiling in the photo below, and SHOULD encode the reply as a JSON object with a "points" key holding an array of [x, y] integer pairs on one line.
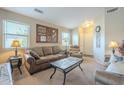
{"points": [[69, 17]]}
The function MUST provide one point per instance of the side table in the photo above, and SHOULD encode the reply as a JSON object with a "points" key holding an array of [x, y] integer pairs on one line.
{"points": [[16, 61]]}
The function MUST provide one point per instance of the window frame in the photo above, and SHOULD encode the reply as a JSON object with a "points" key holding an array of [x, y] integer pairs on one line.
{"points": [[75, 35], [69, 39], [5, 33]]}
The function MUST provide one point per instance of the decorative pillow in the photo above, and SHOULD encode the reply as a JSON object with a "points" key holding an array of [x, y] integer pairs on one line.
{"points": [[47, 50], [34, 54], [118, 58], [38, 50], [112, 59]]}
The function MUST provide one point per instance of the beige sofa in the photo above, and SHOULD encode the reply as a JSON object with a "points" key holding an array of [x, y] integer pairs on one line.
{"points": [[47, 54]]}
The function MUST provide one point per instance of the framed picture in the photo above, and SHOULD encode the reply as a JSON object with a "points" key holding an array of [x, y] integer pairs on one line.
{"points": [[43, 38], [98, 36], [46, 34]]}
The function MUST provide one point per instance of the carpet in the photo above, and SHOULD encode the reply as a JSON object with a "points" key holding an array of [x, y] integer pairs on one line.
{"points": [[74, 77]]}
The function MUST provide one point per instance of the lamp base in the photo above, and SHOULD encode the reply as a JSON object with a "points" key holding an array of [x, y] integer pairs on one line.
{"points": [[16, 52], [113, 51]]}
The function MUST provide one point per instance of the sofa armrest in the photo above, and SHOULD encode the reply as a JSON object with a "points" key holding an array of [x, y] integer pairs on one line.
{"points": [[105, 77], [29, 59]]}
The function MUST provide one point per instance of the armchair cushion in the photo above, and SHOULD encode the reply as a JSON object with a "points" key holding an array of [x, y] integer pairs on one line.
{"points": [[75, 49], [75, 52], [79, 55]]}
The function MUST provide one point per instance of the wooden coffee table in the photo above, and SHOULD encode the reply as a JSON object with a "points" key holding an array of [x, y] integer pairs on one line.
{"points": [[66, 65]]}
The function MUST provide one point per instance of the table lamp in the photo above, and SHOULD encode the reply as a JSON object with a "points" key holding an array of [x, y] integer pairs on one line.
{"points": [[113, 45], [16, 44]]}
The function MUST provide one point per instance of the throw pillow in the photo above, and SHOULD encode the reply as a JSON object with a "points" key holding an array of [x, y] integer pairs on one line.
{"points": [[115, 58], [34, 54], [112, 59], [118, 58], [38, 50]]}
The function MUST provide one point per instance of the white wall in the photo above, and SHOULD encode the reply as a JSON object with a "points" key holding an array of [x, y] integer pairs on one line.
{"points": [[85, 39], [5, 53], [114, 27], [100, 52]]}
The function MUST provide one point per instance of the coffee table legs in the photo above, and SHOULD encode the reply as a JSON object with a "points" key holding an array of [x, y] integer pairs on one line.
{"points": [[80, 67], [64, 78], [63, 73], [53, 73], [19, 69]]}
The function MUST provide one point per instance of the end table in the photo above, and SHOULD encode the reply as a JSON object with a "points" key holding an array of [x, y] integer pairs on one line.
{"points": [[16, 61]]}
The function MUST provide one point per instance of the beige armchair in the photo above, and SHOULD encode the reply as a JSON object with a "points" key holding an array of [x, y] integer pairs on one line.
{"points": [[75, 52]]}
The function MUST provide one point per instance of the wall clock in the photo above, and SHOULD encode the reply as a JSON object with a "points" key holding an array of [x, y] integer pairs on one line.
{"points": [[98, 28]]}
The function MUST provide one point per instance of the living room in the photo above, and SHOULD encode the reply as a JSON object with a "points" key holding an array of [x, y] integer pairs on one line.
{"points": [[92, 34]]}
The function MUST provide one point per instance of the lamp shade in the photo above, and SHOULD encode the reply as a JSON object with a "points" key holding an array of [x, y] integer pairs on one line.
{"points": [[113, 44], [15, 43]]}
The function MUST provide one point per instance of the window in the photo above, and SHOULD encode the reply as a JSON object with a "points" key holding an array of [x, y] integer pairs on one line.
{"points": [[75, 38], [14, 30], [65, 39]]}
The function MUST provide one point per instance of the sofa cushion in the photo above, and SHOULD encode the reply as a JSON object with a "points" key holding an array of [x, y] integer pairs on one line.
{"points": [[47, 59], [42, 60], [38, 50], [34, 54], [56, 49], [47, 50], [52, 57]]}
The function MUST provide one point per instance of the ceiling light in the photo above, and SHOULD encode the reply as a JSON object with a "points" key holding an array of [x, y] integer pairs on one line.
{"points": [[87, 24]]}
